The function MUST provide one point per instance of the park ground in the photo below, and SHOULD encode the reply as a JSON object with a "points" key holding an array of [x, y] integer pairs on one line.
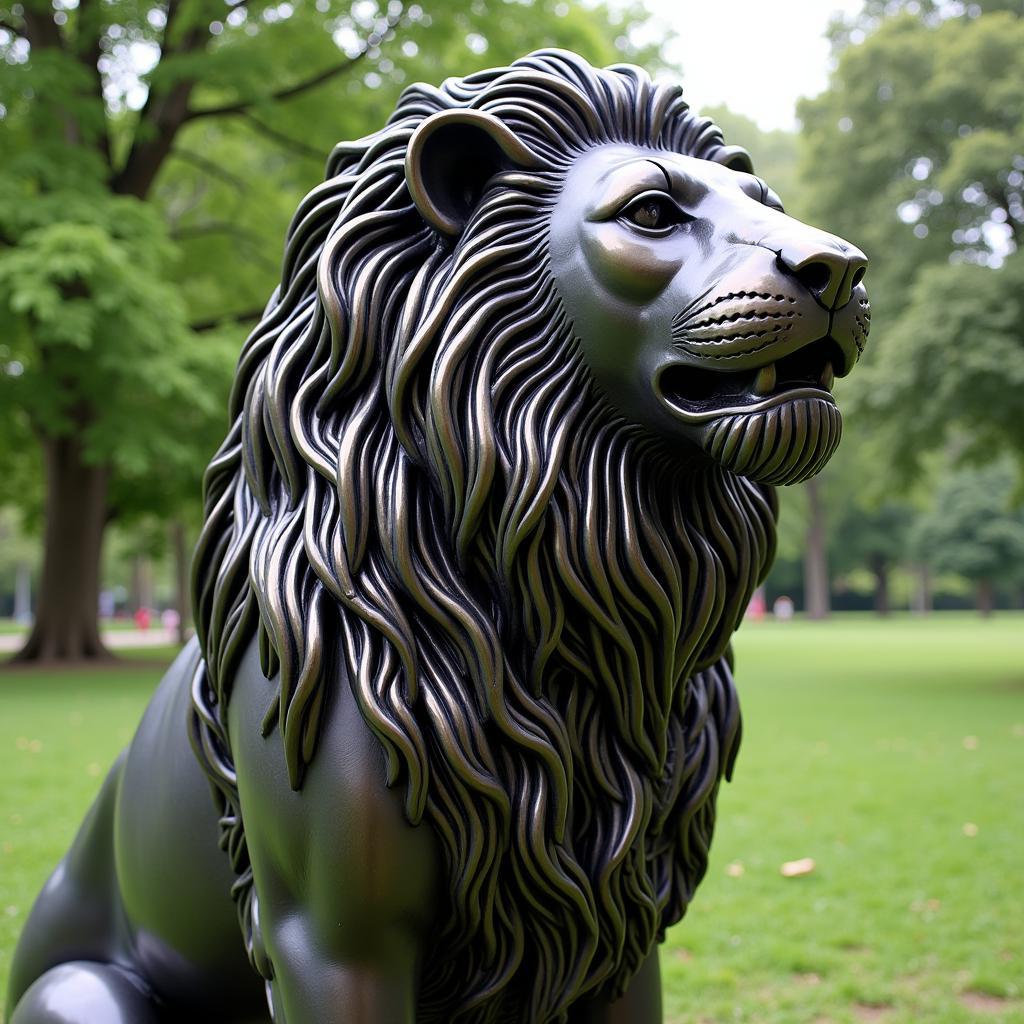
{"points": [[889, 752]]}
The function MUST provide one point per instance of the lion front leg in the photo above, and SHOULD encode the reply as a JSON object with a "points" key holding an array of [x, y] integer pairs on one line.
{"points": [[311, 985], [641, 1003], [345, 890]]}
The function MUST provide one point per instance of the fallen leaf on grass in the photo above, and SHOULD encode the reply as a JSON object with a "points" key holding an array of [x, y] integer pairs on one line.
{"points": [[970, 829], [796, 868], [735, 869], [809, 979]]}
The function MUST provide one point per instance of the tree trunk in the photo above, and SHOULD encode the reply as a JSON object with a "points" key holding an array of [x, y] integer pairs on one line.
{"points": [[817, 602], [922, 601], [66, 625], [182, 589], [986, 597], [142, 583], [880, 567]]}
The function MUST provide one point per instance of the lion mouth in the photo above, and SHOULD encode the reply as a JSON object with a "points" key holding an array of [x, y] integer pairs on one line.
{"points": [[698, 394], [776, 423]]}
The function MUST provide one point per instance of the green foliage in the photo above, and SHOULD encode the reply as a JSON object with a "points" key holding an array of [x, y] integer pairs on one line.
{"points": [[951, 370], [153, 154], [917, 148], [99, 341], [870, 535], [973, 528], [916, 153]]}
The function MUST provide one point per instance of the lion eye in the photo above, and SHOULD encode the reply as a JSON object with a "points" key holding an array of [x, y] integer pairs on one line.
{"points": [[652, 213]]}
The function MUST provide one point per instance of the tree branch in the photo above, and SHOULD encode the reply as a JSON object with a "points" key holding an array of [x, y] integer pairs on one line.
{"points": [[41, 31], [243, 106], [173, 7], [230, 318], [212, 169], [160, 119], [375, 38], [253, 243], [295, 145], [89, 52]]}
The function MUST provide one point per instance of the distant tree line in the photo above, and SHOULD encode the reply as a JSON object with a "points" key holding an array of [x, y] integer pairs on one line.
{"points": [[916, 152], [154, 152]]}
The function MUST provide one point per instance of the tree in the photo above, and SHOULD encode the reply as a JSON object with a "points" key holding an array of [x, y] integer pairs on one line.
{"points": [[874, 537], [952, 370], [817, 590], [914, 152], [974, 529], [152, 154]]}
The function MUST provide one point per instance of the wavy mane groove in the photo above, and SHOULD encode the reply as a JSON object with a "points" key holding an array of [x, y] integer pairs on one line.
{"points": [[530, 599]]}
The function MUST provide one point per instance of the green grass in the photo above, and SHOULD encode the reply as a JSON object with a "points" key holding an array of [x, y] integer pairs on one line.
{"points": [[868, 746], [59, 733]]}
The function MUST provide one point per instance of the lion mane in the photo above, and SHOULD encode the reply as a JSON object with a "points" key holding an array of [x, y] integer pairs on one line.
{"points": [[423, 491]]}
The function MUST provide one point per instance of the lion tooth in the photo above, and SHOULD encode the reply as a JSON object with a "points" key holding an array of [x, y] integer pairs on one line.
{"points": [[828, 376], [764, 382]]}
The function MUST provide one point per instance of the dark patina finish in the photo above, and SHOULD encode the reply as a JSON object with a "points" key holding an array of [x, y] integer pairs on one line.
{"points": [[498, 488]]}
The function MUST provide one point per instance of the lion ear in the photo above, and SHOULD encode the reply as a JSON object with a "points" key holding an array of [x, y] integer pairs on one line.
{"points": [[451, 158], [736, 158]]}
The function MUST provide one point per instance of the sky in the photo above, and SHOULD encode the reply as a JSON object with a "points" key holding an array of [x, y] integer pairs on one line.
{"points": [[755, 56]]}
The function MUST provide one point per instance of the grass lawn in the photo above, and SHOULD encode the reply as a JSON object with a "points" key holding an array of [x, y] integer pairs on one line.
{"points": [[890, 752], [893, 754]]}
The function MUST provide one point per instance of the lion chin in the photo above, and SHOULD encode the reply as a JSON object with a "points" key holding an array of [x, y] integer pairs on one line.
{"points": [[783, 444]]}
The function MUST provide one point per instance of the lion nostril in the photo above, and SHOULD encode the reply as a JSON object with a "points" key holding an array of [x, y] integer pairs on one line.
{"points": [[828, 269], [816, 276]]}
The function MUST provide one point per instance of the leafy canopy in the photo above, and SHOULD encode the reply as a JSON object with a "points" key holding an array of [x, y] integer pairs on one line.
{"points": [[153, 153]]}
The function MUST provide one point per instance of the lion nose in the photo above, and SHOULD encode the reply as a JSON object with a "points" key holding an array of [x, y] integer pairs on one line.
{"points": [[830, 274]]}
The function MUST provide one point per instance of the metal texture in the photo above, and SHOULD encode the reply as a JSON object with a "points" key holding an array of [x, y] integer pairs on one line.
{"points": [[496, 494]]}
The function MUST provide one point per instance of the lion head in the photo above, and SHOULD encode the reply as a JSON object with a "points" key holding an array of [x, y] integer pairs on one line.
{"points": [[501, 448]]}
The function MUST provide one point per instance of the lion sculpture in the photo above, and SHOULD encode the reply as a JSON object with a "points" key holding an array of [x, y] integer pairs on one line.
{"points": [[496, 493]]}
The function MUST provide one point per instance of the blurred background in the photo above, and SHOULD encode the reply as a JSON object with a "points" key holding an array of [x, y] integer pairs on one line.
{"points": [[151, 154]]}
